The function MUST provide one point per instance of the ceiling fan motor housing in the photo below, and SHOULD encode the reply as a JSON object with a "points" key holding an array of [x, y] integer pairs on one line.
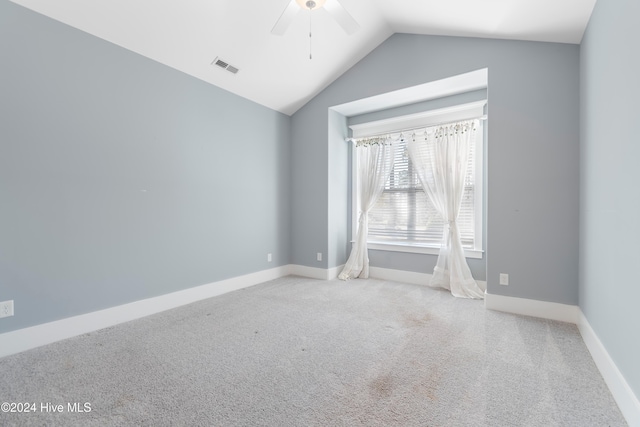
{"points": [[311, 4]]}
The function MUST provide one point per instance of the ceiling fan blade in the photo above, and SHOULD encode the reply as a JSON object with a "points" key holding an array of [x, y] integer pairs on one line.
{"points": [[341, 15], [285, 19]]}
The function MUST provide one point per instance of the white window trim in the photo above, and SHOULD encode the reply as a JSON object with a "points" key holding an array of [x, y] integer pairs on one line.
{"points": [[461, 112], [472, 110]]}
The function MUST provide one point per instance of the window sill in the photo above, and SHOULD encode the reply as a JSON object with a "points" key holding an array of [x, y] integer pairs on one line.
{"points": [[418, 249]]}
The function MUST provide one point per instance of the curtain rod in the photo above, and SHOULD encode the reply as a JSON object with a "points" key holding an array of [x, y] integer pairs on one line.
{"points": [[483, 117]]}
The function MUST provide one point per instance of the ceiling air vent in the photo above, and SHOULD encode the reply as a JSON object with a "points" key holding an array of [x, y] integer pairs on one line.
{"points": [[222, 64]]}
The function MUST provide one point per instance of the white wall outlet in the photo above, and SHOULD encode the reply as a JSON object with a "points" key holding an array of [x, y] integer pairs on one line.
{"points": [[504, 279], [269, 258], [319, 256], [6, 308]]}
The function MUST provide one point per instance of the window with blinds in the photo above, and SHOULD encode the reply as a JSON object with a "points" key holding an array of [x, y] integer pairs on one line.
{"points": [[404, 215], [403, 218]]}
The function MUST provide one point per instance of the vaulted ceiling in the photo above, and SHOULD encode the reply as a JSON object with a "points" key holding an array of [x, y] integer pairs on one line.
{"points": [[276, 71]]}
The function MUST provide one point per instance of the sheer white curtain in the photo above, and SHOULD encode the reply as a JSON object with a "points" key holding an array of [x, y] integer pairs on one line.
{"points": [[375, 161], [440, 158]]}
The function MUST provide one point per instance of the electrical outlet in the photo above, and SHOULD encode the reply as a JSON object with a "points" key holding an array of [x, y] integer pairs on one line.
{"points": [[6, 308], [319, 256], [504, 279], [269, 258]]}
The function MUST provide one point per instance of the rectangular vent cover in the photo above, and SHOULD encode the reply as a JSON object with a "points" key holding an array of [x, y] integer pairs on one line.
{"points": [[225, 65]]}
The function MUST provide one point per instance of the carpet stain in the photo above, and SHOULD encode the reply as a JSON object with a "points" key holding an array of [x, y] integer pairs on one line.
{"points": [[124, 400], [410, 320], [429, 384], [382, 387]]}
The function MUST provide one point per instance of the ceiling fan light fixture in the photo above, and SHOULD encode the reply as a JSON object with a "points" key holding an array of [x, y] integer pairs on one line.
{"points": [[334, 7], [311, 4]]}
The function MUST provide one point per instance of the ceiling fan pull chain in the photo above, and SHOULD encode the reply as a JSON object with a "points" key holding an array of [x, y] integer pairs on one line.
{"points": [[310, 13]]}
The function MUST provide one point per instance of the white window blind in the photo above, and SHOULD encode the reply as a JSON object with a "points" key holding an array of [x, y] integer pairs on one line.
{"points": [[404, 215]]}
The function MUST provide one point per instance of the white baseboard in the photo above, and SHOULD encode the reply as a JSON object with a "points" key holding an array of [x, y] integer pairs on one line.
{"points": [[622, 393], [314, 272], [403, 276], [334, 272], [527, 307], [399, 275], [35, 336], [530, 307]]}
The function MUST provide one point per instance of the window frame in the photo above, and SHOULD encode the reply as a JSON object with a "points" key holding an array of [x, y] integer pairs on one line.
{"points": [[468, 111]]}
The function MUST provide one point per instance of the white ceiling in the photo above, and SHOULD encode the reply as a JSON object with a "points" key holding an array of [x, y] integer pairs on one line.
{"points": [[276, 71]]}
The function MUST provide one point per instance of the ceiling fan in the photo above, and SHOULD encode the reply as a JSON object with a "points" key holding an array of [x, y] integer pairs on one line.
{"points": [[334, 7]]}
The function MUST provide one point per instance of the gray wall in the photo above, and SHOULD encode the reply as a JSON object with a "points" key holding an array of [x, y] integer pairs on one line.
{"points": [[533, 140], [609, 196], [117, 175]]}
